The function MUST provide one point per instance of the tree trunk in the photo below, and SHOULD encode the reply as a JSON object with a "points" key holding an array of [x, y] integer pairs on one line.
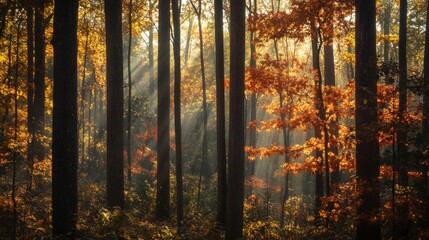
{"points": [[163, 146], [15, 137], [253, 98], [403, 228], [318, 130], [130, 38], [39, 80], [30, 94], [234, 227], [177, 114], [220, 117], [115, 104], [330, 81], [425, 123], [367, 149], [64, 125], [204, 164]]}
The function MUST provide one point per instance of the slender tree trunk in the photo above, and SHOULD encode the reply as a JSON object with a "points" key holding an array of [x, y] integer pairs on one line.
{"points": [[39, 79], [115, 104], [330, 81], [15, 136], [367, 149], [177, 113], [321, 158], [403, 228], [64, 125], [286, 143], [30, 94], [163, 146], [425, 123], [220, 117], [253, 98], [234, 227], [204, 164], [130, 38], [83, 90], [90, 156]]}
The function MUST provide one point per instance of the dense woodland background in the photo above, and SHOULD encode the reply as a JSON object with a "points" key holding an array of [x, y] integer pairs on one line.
{"points": [[257, 119]]}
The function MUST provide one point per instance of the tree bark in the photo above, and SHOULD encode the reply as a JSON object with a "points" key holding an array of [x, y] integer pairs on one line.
{"points": [[235, 193], [425, 122], [204, 164], [367, 149], [15, 137], [220, 117], [64, 125], [39, 79], [130, 38], [163, 147], [115, 104], [177, 113], [30, 93], [403, 228], [330, 81]]}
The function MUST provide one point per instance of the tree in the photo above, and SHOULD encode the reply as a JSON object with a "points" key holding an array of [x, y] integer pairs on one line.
{"points": [[64, 125], [220, 117], [425, 123], [367, 150], [204, 163], [163, 146], [177, 112], [130, 38], [39, 78], [234, 226], [253, 98], [30, 91], [115, 103], [329, 75], [402, 229]]}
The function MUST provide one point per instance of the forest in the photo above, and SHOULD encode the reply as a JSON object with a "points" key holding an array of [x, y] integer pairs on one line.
{"points": [[214, 119]]}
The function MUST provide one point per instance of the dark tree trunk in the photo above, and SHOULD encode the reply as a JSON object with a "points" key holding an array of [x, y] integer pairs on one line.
{"points": [[330, 81], [30, 93], [367, 149], [177, 114], [39, 79], [204, 164], [83, 90], [130, 38], [253, 98], [163, 147], [234, 226], [425, 123], [64, 125], [15, 137], [317, 128], [403, 228], [115, 104], [220, 117]]}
